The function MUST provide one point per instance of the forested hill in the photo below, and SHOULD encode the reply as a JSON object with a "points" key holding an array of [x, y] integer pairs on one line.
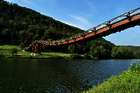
{"points": [[19, 24]]}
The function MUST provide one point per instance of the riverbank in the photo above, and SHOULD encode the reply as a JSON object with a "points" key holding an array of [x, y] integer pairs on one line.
{"points": [[127, 82], [12, 51], [15, 51]]}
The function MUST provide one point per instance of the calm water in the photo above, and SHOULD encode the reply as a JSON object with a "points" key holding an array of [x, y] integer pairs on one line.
{"points": [[56, 76]]}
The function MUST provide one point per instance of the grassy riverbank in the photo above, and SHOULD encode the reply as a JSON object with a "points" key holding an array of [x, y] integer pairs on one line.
{"points": [[127, 82], [15, 51]]}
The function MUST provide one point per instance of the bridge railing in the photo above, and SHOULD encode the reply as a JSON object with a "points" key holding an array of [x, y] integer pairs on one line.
{"points": [[115, 19], [106, 23]]}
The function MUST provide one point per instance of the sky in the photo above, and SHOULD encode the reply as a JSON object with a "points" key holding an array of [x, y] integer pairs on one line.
{"points": [[86, 14]]}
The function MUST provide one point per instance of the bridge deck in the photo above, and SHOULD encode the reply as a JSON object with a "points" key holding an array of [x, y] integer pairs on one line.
{"points": [[109, 27]]}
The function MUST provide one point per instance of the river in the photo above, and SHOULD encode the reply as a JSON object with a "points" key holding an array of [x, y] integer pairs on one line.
{"points": [[56, 76]]}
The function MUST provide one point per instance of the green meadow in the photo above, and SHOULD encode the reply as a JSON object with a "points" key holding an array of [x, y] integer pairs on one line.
{"points": [[16, 51]]}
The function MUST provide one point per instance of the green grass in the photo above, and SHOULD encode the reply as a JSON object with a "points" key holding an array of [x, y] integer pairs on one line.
{"points": [[127, 82], [55, 54], [6, 50], [4, 47]]}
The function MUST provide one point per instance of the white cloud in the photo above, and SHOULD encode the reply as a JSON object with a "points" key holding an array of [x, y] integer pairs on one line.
{"points": [[80, 21], [26, 1], [68, 22], [9, 0], [90, 4], [20, 1]]}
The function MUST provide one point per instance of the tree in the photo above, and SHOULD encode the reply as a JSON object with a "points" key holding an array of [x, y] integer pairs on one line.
{"points": [[100, 52], [99, 49], [122, 53]]}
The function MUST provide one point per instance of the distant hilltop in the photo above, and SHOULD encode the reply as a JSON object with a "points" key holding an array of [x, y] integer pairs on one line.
{"points": [[19, 24]]}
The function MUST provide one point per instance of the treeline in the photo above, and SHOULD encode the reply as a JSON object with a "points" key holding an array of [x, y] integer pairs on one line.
{"points": [[126, 52], [22, 25], [94, 49], [117, 52], [99, 49]]}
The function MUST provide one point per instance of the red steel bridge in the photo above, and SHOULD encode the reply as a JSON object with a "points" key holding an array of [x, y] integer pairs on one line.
{"points": [[117, 24]]}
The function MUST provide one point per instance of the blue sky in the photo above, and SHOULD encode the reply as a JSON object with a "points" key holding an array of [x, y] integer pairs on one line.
{"points": [[88, 13]]}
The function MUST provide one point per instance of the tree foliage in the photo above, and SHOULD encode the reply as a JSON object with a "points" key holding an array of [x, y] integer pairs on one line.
{"points": [[100, 49], [23, 25], [122, 53]]}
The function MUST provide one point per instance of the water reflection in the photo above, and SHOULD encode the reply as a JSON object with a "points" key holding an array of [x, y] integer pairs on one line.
{"points": [[55, 76]]}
